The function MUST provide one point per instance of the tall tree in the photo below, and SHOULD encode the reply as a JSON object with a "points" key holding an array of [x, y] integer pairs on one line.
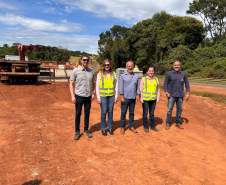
{"points": [[112, 45], [213, 14]]}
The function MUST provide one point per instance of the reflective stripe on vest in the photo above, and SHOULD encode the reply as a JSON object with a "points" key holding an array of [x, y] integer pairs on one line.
{"points": [[150, 89], [107, 85]]}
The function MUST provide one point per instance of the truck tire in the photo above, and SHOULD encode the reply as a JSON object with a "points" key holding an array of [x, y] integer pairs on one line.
{"points": [[34, 79]]}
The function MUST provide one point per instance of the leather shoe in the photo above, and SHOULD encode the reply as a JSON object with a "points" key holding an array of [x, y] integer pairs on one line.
{"points": [[104, 133], [111, 132], [146, 130], [155, 129], [122, 131], [167, 127], [133, 130], [179, 126]]}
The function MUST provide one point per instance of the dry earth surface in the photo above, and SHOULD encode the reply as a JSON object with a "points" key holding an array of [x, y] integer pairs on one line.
{"points": [[37, 145]]}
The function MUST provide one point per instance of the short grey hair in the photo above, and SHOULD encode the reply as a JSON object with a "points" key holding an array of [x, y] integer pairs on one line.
{"points": [[177, 61]]}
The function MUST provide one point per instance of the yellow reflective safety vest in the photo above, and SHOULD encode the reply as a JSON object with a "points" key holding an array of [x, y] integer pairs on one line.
{"points": [[107, 85], [150, 89]]}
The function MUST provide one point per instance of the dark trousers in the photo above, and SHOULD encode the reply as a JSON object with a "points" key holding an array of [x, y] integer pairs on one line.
{"points": [[151, 106], [78, 108], [124, 106]]}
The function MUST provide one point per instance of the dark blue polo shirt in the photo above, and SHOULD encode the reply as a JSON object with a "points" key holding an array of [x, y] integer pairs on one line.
{"points": [[174, 83]]}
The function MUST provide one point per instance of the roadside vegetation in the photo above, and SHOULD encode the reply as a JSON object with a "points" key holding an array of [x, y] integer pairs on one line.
{"points": [[208, 82], [214, 96], [202, 80]]}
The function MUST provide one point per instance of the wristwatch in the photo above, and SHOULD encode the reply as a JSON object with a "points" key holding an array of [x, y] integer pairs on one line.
{"points": [[94, 93]]}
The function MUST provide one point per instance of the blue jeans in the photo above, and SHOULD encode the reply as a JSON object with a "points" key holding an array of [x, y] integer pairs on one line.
{"points": [[171, 102], [124, 106], [151, 106], [107, 104]]}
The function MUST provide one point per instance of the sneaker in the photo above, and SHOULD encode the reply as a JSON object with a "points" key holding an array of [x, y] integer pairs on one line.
{"points": [[111, 132], [104, 133], [86, 132], [155, 129], [77, 135], [146, 130]]}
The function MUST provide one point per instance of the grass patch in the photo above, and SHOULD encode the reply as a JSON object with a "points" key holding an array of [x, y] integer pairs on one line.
{"points": [[215, 97], [207, 81], [200, 81], [74, 59]]}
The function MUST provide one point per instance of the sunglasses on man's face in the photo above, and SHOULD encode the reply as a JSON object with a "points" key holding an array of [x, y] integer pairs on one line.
{"points": [[85, 60], [107, 65]]}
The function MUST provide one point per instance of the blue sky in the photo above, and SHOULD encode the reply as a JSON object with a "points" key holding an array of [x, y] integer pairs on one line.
{"points": [[75, 24]]}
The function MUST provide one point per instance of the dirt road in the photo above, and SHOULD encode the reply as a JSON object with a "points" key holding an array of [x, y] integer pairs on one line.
{"points": [[37, 146]]}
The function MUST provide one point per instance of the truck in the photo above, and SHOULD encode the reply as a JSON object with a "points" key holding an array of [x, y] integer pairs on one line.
{"points": [[16, 68]]}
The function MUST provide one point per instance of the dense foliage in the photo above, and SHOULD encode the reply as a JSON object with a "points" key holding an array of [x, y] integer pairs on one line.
{"points": [[36, 55], [160, 41], [213, 13]]}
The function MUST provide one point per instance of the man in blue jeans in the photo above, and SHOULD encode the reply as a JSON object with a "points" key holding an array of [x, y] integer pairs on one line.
{"points": [[129, 91], [174, 89]]}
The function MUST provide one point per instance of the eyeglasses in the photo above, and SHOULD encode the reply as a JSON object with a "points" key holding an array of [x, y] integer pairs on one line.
{"points": [[85, 60], [107, 65]]}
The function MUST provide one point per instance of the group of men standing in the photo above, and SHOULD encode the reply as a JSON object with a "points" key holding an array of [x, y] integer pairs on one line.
{"points": [[129, 91]]}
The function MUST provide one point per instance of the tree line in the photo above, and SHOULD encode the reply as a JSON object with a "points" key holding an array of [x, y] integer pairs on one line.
{"points": [[36, 55], [164, 38]]}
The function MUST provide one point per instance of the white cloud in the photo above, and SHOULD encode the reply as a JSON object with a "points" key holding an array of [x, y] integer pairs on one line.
{"points": [[129, 10], [70, 9], [87, 43], [38, 24], [48, 2], [7, 6], [51, 10]]}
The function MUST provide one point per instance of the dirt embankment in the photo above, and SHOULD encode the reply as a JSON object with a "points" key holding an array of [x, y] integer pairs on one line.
{"points": [[36, 142]]}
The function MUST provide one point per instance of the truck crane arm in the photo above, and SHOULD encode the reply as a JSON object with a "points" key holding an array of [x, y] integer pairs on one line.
{"points": [[23, 48]]}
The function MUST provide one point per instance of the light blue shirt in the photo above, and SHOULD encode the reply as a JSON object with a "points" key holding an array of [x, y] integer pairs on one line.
{"points": [[128, 86]]}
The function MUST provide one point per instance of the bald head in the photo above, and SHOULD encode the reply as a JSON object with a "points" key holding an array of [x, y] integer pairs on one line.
{"points": [[129, 63], [129, 66]]}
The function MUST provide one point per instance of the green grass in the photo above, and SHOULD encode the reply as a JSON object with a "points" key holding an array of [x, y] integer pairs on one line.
{"points": [[216, 97], [200, 81], [207, 82], [73, 59]]}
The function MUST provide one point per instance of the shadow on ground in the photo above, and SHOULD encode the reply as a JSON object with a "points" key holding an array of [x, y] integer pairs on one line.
{"points": [[116, 124], [33, 182]]}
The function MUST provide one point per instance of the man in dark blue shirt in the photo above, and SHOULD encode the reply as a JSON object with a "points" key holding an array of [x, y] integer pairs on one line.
{"points": [[174, 89]]}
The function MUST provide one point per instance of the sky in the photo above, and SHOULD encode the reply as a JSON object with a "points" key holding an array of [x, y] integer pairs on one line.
{"points": [[75, 24]]}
